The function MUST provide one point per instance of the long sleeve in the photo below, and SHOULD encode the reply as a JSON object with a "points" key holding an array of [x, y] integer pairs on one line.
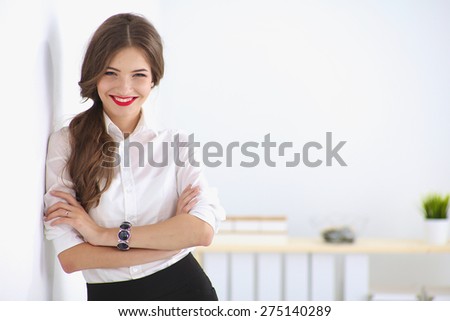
{"points": [[208, 207], [57, 178]]}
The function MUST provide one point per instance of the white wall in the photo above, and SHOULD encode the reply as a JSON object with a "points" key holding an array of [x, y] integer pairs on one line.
{"points": [[375, 73], [27, 67]]}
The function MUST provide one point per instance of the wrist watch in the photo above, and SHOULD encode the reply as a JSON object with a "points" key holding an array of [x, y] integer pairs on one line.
{"points": [[124, 236]]}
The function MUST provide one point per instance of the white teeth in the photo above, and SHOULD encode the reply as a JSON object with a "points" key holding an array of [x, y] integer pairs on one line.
{"points": [[123, 100]]}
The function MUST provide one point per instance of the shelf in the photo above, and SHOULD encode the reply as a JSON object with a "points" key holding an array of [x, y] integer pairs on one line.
{"points": [[277, 244], [258, 266]]}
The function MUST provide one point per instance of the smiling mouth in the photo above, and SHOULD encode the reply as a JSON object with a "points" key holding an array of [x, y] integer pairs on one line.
{"points": [[123, 101]]}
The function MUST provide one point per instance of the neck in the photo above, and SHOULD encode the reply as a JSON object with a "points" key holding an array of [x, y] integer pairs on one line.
{"points": [[126, 124]]}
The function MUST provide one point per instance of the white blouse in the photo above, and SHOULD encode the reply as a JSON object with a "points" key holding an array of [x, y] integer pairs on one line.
{"points": [[140, 193]]}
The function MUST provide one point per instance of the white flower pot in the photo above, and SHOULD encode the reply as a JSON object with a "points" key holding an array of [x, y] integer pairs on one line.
{"points": [[437, 231]]}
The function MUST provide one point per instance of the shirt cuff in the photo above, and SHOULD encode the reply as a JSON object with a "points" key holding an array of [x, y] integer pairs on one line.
{"points": [[65, 240], [210, 219]]}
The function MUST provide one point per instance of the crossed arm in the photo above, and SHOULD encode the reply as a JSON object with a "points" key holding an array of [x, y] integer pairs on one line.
{"points": [[148, 243]]}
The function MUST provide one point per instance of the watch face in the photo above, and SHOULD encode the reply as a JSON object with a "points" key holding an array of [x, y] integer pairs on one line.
{"points": [[124, 235], [125, 225], [123, 246]]}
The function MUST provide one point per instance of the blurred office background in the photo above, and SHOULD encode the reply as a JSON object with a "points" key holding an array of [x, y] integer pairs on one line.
{"points": [[374, 73]]}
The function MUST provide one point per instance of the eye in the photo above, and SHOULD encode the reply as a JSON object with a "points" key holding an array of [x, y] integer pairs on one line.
{"points": [[139, 75], [110, 73]]}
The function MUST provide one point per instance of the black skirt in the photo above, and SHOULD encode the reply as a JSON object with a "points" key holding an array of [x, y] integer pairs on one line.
{"points": [[182, 281]]}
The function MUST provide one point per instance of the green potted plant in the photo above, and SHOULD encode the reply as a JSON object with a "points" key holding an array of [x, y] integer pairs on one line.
{"points": [[435, 209]]}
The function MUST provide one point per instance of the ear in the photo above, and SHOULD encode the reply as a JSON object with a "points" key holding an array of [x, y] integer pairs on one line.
{"points": [[153, 84]]}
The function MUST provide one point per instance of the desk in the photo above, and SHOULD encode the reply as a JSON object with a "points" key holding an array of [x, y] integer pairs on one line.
{"points": [[306, 266]]}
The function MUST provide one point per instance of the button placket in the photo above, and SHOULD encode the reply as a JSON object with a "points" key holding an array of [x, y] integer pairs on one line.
{"points": [[130, 201], [129, 195]]}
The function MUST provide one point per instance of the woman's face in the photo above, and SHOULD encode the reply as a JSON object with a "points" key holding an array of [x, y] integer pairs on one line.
{"points": [[125, 86]]}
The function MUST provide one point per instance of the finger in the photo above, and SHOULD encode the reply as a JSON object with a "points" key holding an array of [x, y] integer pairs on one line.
{"points": [[62, 220], [193, 192], [190, 205], [188, 200], [186, 190], [184, 201], [57, 206], [59, 213], [67, 197]]}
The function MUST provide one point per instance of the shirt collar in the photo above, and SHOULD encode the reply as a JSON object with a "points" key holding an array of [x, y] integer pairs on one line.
{"points": [[142, 126]]}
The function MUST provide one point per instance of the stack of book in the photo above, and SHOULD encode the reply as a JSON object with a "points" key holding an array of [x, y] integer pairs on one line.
{"points": [[394, 294], [253, 229], [422, 293]]}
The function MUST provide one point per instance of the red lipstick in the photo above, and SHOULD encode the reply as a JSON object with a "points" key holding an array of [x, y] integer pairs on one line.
{"points": [[123, 101]]}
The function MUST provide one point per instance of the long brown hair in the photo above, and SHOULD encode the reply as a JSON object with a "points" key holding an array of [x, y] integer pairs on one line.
{"points": [[89, 140]]}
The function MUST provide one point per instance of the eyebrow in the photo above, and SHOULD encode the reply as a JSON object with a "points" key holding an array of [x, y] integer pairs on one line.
{"points": [[137, 70]]}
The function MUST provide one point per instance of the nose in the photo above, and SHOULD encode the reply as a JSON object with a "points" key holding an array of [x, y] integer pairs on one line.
{"points": [[124, 86]]}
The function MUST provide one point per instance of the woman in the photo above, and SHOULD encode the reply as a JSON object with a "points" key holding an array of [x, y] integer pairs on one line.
{"points": [[128, 226]]}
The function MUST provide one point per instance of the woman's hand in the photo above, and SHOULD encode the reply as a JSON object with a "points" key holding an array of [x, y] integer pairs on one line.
{"points": [[187, 200], [73, 214]]}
